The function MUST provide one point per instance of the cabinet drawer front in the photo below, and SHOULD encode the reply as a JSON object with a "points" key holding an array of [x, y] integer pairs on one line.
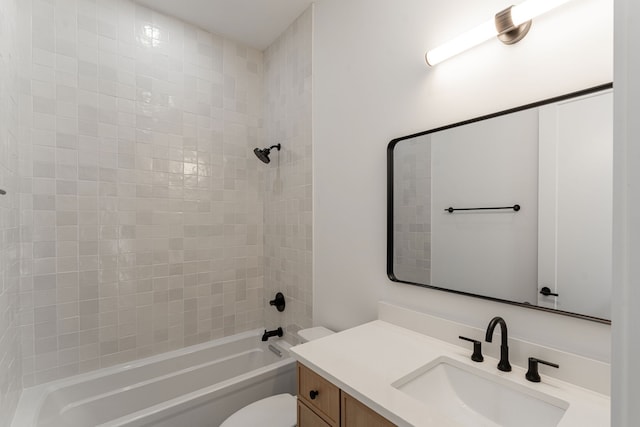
{"points": [[319, 394], [308, 418]]}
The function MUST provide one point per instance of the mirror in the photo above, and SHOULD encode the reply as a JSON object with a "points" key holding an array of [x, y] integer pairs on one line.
{"points": [[514, 207]]}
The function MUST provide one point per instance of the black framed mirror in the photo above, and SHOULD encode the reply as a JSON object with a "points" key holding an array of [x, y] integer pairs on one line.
{"points": [[514, 206]]}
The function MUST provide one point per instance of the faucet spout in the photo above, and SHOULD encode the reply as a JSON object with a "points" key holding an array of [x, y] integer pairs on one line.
{"points": [[504, 364], [275, 333]]}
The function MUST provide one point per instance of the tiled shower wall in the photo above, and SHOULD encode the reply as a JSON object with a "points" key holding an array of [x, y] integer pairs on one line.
{"points": [[412, 210], [10, 359], [288, 178], [141, 206]]}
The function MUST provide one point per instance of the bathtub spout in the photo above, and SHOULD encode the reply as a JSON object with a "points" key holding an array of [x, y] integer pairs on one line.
{"points": [[275, 333]]}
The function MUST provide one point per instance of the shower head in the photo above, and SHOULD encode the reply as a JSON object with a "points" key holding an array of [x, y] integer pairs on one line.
{"points": [[264, 153]]}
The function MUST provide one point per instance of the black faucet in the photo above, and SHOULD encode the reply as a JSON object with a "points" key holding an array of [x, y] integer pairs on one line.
{"points": [[275, 333], [504, 364], [532, 374], [477, 349]]}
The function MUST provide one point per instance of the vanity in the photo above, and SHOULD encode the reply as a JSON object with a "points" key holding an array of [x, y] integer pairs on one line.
{"points": [[385, 374], [322, 404]]}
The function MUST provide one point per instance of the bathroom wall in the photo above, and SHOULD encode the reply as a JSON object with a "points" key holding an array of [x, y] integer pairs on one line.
{"points": [[10, 359], [287, 180], [371, 85], [141, 205], [626, 269]]}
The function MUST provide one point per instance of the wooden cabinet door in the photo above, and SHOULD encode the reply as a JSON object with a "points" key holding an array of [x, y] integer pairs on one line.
{"points": [[308, 418], [356, 414]]}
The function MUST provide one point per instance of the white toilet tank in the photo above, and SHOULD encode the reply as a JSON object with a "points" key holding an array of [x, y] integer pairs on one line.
{"points": [[310, 334]]}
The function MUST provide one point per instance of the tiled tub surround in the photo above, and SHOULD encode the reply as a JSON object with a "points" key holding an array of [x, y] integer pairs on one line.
{"points": [[10, 358], [287, 180], [141, 204], [412, 215]]}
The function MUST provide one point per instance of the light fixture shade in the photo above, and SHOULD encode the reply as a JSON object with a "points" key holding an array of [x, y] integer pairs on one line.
{"points": [[532, 8], [520, 16], [461, 43]]}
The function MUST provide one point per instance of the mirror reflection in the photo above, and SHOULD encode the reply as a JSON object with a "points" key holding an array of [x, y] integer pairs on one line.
{"points": [[452, 193]]}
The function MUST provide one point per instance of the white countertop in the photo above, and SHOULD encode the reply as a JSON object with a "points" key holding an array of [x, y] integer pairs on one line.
{"points": [[364, 361]]}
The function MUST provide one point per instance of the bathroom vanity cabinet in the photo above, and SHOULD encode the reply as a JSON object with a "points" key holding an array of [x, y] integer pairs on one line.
{"points": [[322, 404], [382, 374]]}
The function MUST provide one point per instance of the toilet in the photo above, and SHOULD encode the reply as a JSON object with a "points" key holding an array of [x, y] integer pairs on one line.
{"points": [[274, 411]]}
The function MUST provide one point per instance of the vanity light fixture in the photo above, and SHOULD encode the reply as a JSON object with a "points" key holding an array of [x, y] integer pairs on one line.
{"points": [[509, 25]]}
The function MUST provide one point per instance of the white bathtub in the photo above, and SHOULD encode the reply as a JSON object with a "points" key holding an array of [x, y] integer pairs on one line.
{"points": [[197, 386]]}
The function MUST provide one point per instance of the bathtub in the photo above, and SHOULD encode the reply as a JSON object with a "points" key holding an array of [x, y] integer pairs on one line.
{"points": [[196, 386]]}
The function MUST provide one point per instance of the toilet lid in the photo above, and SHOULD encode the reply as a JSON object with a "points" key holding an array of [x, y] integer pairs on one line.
{"points": [[274, 411]]}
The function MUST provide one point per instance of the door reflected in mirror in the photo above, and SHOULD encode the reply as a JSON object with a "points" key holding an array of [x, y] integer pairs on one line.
{"points": [[451, 196]]}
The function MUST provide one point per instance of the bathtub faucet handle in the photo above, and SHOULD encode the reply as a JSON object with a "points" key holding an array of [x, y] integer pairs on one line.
{"points": [[278, 302], [275, 333]]}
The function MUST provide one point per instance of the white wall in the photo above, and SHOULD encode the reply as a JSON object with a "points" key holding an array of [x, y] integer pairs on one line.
{"points": [[626, 237], [371, 84]]}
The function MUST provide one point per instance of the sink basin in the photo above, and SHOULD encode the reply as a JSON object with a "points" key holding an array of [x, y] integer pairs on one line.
{"points": [[472, 397]]}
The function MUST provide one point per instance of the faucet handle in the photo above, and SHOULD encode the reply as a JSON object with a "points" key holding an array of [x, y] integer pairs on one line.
{"points": [[477, 349], [532, 374]]}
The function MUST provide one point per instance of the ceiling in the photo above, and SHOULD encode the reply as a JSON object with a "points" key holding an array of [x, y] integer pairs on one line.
{"points": [[255, 23]]}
